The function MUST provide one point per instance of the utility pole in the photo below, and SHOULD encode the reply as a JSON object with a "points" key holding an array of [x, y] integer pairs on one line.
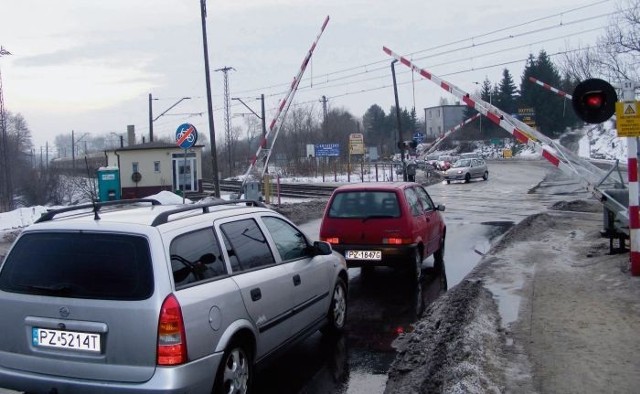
{"points": [[6, 191], [151, 117], [212, 131], [227, 113], [263, 118]]}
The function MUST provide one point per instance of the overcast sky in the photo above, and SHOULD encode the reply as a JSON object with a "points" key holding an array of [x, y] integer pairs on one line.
{"points": [[89, 66]]}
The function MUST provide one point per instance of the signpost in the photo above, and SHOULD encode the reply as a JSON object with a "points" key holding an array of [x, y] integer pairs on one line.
{"points": [[628, 119], [356, 144], [356, 147], [186, 137], [527, 116], [327, 150]]}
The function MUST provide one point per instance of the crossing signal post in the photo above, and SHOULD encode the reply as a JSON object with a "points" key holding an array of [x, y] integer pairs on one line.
{"points": [[595, 101]]}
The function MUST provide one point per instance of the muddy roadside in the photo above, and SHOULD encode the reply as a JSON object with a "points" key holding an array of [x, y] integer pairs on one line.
{"points": [[547, 310]]}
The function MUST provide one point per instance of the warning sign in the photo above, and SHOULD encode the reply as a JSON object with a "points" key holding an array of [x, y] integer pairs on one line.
{"points": [[629, 109], [627, 119]]}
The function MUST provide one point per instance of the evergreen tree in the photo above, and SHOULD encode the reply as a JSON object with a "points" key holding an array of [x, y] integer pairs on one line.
{"points": [[506, 94], [376, 132], [547, 105], [409, 122]]}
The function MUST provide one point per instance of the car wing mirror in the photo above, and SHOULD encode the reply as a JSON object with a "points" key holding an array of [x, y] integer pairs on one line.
{"points": [[440, 207], [322, 248]]}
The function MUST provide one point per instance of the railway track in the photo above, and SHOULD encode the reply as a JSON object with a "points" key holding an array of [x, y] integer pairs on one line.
{"points": [[292, 190]]}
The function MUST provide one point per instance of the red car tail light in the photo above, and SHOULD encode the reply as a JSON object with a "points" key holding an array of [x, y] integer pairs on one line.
{"points": [[396, 241], [172, 344], [332, 240]]}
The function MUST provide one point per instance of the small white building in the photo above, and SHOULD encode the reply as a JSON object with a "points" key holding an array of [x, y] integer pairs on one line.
{"points": [[149, 168], [438, 120]]}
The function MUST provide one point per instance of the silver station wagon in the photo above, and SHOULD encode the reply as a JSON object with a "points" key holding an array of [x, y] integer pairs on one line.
{"points": [[135, 296]]}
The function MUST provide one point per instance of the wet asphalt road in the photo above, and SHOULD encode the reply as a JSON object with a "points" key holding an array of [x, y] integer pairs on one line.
{"points": [[384, 304]]}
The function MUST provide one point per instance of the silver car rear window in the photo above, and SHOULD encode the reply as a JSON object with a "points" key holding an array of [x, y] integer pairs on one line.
{"points": [[79, 265]]}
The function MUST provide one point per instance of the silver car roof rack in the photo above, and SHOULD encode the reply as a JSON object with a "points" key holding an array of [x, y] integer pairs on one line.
{"points": [[95, 206], [163, 217]]}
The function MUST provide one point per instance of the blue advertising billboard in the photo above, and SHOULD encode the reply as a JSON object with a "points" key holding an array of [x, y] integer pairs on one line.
{"points": [[327, 150]]}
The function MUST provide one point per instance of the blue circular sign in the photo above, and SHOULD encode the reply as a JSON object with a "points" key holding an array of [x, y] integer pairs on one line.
{"points": [[186, 135], [418, 137]]}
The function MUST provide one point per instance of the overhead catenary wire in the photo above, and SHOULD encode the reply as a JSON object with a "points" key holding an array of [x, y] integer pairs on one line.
{"points": [[327, 83], [472, 38]]}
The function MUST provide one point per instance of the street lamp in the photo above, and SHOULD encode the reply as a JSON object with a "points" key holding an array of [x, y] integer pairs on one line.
{"points": [[152, 119], [73, 148], [262, 118]]}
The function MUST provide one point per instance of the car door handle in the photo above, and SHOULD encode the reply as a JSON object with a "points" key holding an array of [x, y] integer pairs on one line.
{"points": [[296, 280], [256, 294]]}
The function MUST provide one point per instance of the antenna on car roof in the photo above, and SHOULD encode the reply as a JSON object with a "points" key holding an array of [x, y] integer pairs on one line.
{"points": [[92, 192]]}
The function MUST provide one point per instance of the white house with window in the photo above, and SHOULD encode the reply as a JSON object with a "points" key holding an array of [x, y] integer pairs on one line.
{"points": [[149, 168]]}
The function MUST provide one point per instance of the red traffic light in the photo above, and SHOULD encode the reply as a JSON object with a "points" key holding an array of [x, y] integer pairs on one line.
{"points": [[594, 100]]}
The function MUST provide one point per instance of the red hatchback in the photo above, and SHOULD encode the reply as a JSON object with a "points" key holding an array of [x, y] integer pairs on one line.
{"points": [[385, 224]]}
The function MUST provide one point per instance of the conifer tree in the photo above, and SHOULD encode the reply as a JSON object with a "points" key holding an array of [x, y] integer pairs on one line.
{"points": [[547, 105]]}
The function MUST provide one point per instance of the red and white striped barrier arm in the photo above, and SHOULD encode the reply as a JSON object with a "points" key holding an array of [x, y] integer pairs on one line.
{"points": [[523, 133], [492, 113], [285, 102], [549, 87]]}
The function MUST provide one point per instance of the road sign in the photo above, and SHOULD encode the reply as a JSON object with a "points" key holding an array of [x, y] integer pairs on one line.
{"points": [[418, 137], [356, 144], [325, 150], [628, 121], [186, 136]]}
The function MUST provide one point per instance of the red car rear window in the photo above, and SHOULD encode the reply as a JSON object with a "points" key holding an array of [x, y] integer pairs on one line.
{"points": [[364, 204]]}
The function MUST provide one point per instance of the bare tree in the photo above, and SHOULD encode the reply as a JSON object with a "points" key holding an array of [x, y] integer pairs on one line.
{"points": [[616, 53]]}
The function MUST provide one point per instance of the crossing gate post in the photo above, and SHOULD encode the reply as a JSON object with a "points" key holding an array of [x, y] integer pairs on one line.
{"points": [[628, 124], [634, 218]]}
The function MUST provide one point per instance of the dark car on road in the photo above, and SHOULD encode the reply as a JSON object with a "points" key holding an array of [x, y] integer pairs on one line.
{"points": [[392, 224]]}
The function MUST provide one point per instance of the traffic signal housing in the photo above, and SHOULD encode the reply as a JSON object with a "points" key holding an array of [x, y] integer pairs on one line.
{"points": [[594, 100], [407, 144]]}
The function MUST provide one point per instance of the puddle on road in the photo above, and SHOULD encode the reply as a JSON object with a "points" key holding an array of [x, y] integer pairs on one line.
{"points": [[508, 302]]}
